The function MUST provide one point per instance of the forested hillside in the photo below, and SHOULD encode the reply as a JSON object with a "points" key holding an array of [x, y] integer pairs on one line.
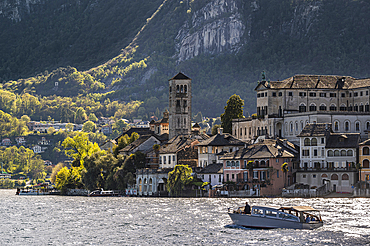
{"points": [[223, 45]]}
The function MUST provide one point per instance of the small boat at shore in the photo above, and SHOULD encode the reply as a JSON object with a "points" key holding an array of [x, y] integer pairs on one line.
{"points": [[103, 193], [262, 217], [39, 190]]}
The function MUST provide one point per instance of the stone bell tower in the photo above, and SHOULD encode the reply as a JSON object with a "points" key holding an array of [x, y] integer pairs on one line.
{"points": [[179, 105]]}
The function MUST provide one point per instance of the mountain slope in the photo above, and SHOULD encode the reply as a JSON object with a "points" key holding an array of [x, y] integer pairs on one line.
{"points": [[223, 45]]}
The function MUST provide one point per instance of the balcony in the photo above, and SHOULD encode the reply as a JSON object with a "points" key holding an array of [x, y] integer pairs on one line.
{"points": [[326, 169]]}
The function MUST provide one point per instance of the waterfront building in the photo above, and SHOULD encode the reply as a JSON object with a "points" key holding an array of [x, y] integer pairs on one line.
{"points": [[285, 107], [258, 167], [160, 126], [327, 157], [210, 150], [364, 159], [152, 182], [180, 96], [213, 173]]}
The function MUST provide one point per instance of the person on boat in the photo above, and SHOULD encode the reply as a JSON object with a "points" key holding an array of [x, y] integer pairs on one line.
{"points": [[247, 208]]}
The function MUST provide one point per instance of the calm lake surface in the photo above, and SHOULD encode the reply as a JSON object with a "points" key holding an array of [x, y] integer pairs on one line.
{"points": [[58, 220]]}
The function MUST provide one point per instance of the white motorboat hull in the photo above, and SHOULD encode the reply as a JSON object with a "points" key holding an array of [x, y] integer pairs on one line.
{"points": [[258, 222]]}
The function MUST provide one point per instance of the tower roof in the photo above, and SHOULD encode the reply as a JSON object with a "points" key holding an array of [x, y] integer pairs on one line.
{"points": [[180, 75]]}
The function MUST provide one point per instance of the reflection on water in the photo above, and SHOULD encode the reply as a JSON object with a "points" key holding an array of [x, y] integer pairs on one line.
{"points": [[57, 220]]}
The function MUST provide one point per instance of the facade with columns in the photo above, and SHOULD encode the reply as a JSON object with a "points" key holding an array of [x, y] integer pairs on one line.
{"points": [[285, 107]]}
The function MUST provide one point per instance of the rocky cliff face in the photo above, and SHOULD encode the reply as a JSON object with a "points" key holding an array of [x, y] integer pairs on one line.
{"points": [[214, 29], [15, 9]]}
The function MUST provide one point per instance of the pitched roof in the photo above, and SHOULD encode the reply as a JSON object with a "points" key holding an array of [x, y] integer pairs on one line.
{"points": [[132, 146], [318, 82], [268, 148], [175, 144], [366, 142], [315, 129], [180, 76], [213, 168], [224, 139], [343, 140], [138, 130]]}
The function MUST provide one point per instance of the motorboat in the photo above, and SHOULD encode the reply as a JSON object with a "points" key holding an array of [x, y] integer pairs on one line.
{"points": [[263, 217], [103, 193]]}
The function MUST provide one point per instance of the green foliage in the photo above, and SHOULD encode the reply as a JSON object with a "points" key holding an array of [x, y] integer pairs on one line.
{"points": [[79, 147], [233, 110], [11, 184], [124, 141], [89, 126], [178, 179], [69, 179], [22, 161]]}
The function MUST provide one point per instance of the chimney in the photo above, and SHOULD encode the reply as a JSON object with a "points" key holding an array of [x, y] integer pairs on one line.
{"points": [[220, 131]]}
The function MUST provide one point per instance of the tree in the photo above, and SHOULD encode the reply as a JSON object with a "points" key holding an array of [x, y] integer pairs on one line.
{"points": [[55, 171], [92, 117], [215, 129], [285, 169], [233, 110], [250, 166], [79, 147], [25, 118], [89, 126], [69, 127], [178, 179]]}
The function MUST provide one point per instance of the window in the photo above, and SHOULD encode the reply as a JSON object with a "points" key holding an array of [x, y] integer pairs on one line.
{"points": [[355, 108], [290, 93], [274, 94], [333, 94], [322, 107], [314, 176], [164, 159], [314, 142], [343, 107], [346, 126], [312, 94], [349, 153], [255, 174], [185, 88], [343, 153], [322, 140], [345, 177], [302, 108], [361, 93], [228, 163], [355, 94], [336, 153], [330, 153], [302, 94], [306, 152], [315, 152], [233, 176], [367, 93], [350, 94], [343, 95], [280, 94], [227, 177], [307, 142], [357, 126], [361, 108], [312, 107], [333, 107], [336, 126], [322, 94], [365, 151], [277, 173]]}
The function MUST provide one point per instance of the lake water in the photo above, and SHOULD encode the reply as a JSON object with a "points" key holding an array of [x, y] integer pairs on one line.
{"points": [[58, 220]]}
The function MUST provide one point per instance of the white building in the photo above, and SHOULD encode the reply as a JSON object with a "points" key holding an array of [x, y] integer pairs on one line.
{"points": [[285, 107], [327, 157]]}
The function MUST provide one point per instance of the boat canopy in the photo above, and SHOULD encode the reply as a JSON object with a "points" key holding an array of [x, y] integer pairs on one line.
{"points": [[300, 208]]}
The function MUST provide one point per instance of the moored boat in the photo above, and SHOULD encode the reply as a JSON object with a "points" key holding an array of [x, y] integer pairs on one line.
{"points": [[38, 190], [103, 193], [263, 217]]}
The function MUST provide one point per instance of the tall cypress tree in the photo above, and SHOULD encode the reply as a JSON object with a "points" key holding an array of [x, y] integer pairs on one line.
{"points": [[233, 110]]}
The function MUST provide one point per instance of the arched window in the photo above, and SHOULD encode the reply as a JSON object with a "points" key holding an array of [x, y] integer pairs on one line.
{"points": [[355, 108], [314, 142], [263, 163], [343, 153], [322, 107], [144, 185], [365, 163], [336, 126], [368, 125], [237, 163], [324, 176], [345, 177], [181, 89], [333, 107], [296, 126], [307, 142], [361, 108], [233, 163], [343, 107], [336, 153], [365, 151], [150, 185], [302, 107], [228, 163], [185, 88], [330, 153], [177, 88], [140, 185], [367, 109], [312, 107], [334, 177], [346, 126], [357, 126], [256, 163], [349, 153]]}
